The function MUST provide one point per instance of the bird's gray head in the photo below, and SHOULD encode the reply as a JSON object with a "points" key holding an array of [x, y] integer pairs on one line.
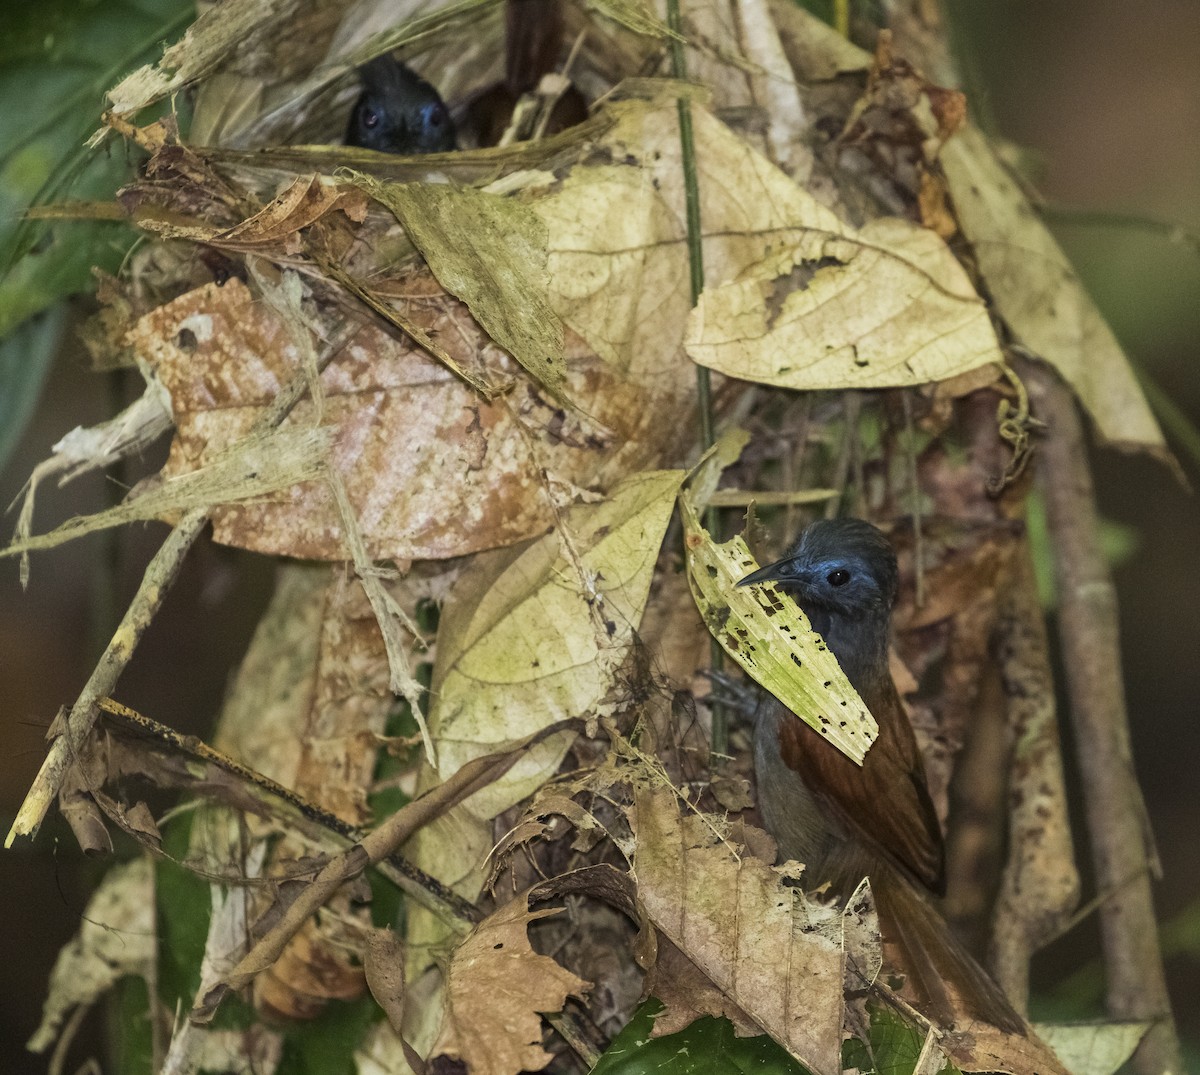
{"points": [[399, 112], [837, 568]]}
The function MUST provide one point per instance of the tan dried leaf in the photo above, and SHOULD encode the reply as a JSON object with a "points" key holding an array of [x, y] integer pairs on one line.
{"points": [[687, 994], [496, 986], [535, 635], [984, 1048], [829, 306], [302, 204], [1039, 294], [383, 961]]}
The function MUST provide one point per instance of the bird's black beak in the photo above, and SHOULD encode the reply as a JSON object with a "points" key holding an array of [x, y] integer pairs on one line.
{"points": [[784, 570]]}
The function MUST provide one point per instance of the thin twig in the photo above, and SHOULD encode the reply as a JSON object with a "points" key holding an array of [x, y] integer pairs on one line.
{"points": [[914, 491]]}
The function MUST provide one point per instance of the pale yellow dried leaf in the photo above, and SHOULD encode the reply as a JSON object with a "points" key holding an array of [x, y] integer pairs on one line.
{"points": [[496, 986], [1092, 1048], [1039, 294], [831, 306], [535, 635], [768, 635], [750, 934]]}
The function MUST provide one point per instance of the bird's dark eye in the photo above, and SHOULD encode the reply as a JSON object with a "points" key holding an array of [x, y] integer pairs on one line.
{"points": [[435, 116], [370, 118], [838, 578]]}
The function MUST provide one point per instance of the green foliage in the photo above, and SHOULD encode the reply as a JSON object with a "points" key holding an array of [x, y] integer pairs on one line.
{"points": [[710, 1046], [325, 1045], [129, 1033], [57, 59], [893, 1050], [707, 1047], [184, 907], [25, 358]]}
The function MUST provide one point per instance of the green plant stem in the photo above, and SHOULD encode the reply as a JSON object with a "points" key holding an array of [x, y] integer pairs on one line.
{"points": [[695, 248]]}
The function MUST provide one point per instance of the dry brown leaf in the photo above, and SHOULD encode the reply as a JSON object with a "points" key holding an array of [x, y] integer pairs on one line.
{"points": [[383, 961], [496, 985], [760, 942], [315, 968], [412, 444], [687, 993], [983, 1048], [302, 204]]}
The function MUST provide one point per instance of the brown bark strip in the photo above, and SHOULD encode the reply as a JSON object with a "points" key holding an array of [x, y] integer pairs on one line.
{"points": [[1040, 887], [1091, 653]]}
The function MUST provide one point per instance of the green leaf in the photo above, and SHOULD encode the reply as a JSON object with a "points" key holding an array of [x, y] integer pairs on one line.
{"points": [[25, 359], [57, 59], [326, 1045], [894, 1048], [184, 908], [707, 1047]]}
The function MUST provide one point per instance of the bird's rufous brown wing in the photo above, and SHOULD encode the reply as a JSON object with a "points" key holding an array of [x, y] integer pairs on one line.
{"points": [[884, 802]]}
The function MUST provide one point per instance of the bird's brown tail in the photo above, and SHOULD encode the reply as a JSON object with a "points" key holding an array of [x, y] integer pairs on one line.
{"points": [[933, 957]]}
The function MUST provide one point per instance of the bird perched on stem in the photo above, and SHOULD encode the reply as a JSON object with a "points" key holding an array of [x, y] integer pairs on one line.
{"points": [[846, 821]]}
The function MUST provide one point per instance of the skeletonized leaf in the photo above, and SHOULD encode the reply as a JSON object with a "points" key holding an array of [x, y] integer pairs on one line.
{"points": [[770, 637]]}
